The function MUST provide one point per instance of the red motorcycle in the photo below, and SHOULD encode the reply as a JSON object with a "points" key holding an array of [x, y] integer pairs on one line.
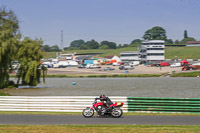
{"points": [[102, 110]]}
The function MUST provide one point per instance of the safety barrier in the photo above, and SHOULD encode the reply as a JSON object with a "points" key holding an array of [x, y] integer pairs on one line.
{"points": [[78, 103], [52, 103], [150, 104]]}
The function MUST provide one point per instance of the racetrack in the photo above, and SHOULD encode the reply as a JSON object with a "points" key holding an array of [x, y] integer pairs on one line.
{"points": [[13, 119]]}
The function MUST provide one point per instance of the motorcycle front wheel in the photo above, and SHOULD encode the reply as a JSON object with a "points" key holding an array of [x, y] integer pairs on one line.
{"points": [[116, 113], [87, 113]]}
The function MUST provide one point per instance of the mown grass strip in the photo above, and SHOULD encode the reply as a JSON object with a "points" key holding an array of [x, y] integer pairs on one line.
{"points": [[98, 128], [186, 74]]}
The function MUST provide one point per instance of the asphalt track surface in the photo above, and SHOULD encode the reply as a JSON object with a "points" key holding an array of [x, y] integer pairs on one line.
{"points": [[13, 119]]}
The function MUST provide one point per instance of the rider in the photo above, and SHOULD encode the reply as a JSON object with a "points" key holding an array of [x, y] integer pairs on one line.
{"points": [[106, 101]]}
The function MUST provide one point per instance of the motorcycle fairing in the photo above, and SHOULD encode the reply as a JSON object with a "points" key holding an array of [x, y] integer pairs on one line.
{"points": [[97, 104], [117, 104]]}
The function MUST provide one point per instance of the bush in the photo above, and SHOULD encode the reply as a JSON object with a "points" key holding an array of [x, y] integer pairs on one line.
{"points": [[4, 94]]}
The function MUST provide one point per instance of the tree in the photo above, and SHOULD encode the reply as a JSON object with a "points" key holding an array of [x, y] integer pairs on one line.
{"points": [[54, 48], [92, 44], [77, 43], [185, 40], [169, 41], [9, 38], [46, 48], [29, 56], [119, 46], [156, 33], [108, 45], [176, 42], [185, 34], [135, 42]]}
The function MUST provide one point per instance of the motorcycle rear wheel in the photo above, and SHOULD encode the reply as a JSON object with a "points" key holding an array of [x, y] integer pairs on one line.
{"points": [[87, 113], [116, 113]]}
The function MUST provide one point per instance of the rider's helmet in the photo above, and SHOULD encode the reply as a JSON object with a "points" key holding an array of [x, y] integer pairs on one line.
{"points": [[102, 97]]}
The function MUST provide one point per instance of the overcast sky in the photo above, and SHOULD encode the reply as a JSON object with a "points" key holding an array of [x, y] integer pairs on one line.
{"points": [[120, 21]]}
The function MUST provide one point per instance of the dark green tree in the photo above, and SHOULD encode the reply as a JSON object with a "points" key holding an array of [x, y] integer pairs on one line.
{"points": [[185, 34], [135, 42], [119, 46], [29, 56], [46, 48], [84, 47], [108, 45], [9, 38], [176, 42], [156, 33], [55, 48], [92, 44], [169, 41], [77, 43], [185, 40]]}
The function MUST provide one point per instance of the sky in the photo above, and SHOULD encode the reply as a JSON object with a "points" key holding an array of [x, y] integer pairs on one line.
{"points": [[119, 21]]}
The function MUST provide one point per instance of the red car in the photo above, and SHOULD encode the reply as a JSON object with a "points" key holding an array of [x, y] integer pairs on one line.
{"points": [[164, 64]]}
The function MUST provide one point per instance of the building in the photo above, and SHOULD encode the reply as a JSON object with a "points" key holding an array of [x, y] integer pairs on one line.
{"points": [[149, 51], [127, 57], [152, 51], [193, 43]]}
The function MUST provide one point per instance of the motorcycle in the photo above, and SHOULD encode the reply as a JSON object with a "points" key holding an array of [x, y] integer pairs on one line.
{"points": [[102, 110]]}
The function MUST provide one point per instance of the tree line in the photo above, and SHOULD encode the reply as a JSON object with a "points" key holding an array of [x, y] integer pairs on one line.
{"points": [[155, 33], [12, 47]]}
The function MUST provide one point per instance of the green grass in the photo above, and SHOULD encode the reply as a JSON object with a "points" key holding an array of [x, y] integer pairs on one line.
{"points": [[98, 129], [2, 93], [104, 52], [182, 52], [170, 52], [187, 74]]}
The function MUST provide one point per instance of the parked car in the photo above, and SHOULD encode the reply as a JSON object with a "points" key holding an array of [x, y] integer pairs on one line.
{"points": [[108, 68], [47, 64], [92, 66], [127, 67], [81, 66], [116, 64], [164, 64], [155, 64], [175, 65]]}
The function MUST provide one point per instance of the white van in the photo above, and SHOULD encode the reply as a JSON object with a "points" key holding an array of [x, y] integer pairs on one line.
{"points": [[175, 65]]}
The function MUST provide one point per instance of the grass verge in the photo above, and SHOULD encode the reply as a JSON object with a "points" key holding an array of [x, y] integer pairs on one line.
{"points": [[187, 74], [2, 93], [98, 128]]}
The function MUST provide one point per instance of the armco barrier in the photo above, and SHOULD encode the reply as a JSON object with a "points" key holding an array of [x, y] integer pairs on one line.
{"points": [[150, 104], [52, 103]]}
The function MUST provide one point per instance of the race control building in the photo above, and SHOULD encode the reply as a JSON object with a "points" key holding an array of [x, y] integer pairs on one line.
{"points": [[149, 51]]}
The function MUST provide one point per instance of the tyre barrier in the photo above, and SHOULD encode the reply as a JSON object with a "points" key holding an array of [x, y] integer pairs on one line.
{"points": [[78, 103], [52, 103], [172, 105]]}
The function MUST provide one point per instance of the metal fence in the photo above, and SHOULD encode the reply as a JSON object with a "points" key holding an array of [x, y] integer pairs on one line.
{"points": [[52, 103]]}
